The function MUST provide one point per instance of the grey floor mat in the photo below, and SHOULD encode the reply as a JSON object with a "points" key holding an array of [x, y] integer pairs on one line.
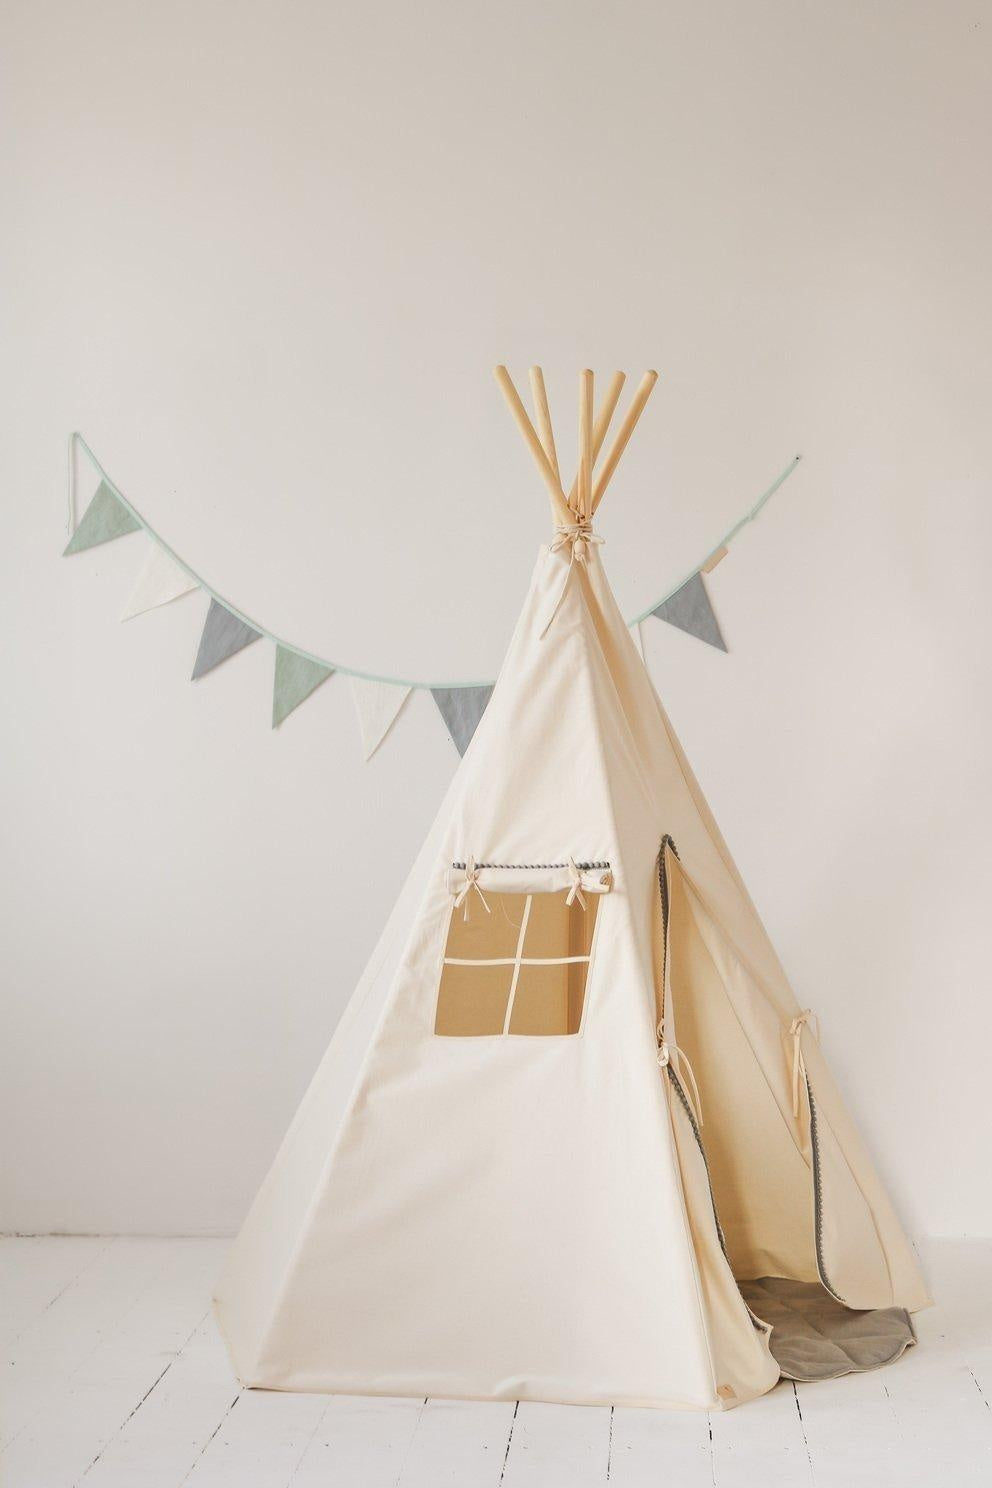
{"points": [[815, 1337]]}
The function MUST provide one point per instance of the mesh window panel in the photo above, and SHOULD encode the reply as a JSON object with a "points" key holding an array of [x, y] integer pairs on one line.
{"points": [[549, 998], [484, 937], [472, 1000], [551, 966]]}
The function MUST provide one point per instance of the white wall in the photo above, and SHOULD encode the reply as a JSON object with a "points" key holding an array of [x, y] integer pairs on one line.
{"points": [[265, 256]]}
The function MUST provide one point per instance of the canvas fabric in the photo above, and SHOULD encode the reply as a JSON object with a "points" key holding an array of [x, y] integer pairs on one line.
{"points": [[527, 1217]]}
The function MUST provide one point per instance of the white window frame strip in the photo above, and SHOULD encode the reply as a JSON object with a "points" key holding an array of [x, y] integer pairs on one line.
{"points": [[516, 967], [513, 960]]}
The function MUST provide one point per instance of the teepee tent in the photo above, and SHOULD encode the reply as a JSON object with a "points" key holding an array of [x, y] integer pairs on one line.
{"points": [[574, 1139]]}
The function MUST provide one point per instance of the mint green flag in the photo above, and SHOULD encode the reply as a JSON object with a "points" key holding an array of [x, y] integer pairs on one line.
{"points": [[104, 519], [296, 678]]}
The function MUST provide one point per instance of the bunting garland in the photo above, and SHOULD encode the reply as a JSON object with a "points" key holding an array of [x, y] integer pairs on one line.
{"points": [[378, 700]]}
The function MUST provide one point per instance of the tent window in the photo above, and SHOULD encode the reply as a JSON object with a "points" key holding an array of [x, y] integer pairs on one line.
{"points": [[520, 968]]}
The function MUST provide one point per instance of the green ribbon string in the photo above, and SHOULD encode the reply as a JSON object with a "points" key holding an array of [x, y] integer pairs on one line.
{"points": [[725, 540], [76, 438]]}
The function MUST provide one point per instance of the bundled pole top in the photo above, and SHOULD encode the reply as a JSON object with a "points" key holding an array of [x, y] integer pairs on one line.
{"points": [[578, 507]]}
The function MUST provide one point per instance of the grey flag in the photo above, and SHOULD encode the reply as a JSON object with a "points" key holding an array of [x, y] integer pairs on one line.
{"points": [[223, 635], [461, 708], [689, 608]]}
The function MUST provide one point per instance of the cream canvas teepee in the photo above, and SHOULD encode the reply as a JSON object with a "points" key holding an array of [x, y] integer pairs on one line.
{"points": [[573, 1139]]}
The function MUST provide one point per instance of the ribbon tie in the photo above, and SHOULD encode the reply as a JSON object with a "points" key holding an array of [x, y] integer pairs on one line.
{"points": [[665, 1052], [798, 1062], [578, 537], [471, 882], [575, 892]]}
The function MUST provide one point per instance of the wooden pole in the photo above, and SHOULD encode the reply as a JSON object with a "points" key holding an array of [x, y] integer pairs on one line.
{"points": [[623, 435], [602, 424], [540, 395], [585, 444], [559, 506]]}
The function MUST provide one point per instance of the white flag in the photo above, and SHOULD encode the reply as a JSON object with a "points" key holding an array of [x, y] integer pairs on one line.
{"points": [[160, 581], [377, 704]]}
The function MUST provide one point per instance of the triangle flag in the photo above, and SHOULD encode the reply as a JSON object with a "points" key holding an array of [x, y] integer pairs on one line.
{"points": [[105, 518], [223, 635], [461, 708], [160, 581], [689, 608], [377, 705], [295, 679]]}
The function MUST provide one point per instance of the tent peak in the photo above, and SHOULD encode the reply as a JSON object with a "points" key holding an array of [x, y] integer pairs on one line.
{"points": [[587, 490]]}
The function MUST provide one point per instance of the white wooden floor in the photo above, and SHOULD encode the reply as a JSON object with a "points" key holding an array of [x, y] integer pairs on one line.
{"points": [[114, 1377]]}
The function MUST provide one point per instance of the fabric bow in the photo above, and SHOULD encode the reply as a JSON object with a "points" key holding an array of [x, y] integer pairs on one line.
{"points": [[575, 892], [578, 537], [471, 882], [798, 1062]]}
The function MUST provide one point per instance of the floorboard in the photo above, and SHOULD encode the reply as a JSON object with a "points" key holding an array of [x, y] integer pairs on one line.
{"points": [[259, 1441], [558, 1446], [34, 1272], [362, 1440], [650, 1447], [762, 1442], [115, 1377], [161, 1440], [97, 1353], [459, 1442]]}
